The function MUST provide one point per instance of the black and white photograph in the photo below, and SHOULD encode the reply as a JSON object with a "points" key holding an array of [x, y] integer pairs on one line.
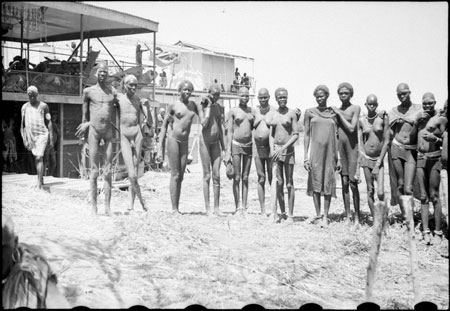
{"points": [[225, 155]]}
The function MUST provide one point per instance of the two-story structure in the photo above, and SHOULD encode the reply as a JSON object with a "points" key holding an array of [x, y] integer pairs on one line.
{"points": [[56, 47]]}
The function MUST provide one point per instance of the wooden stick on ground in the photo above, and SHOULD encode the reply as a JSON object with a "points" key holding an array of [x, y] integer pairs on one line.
{"points": [[408, 203], [379, 223]]}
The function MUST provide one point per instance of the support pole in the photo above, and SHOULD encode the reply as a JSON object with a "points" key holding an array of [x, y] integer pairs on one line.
{"points": [[27, 64], [81, 54], [21, 32], [154, 63], [61, 140], [378, 225], [117, 63]]}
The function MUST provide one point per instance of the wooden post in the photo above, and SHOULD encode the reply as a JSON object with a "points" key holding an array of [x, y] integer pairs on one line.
{"points": [[408, 203], [378, 224]]}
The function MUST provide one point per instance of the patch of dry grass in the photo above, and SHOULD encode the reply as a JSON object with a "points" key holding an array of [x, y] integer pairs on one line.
{"points": [[159, 260]]}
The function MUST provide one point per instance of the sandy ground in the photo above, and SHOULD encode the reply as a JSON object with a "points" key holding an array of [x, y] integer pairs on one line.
{"points": [[159, 260]]}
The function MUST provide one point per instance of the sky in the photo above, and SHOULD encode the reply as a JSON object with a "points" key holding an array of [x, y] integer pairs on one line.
{"points": [[299, 45]]}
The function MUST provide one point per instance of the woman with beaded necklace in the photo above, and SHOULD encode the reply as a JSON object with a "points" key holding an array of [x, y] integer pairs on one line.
{"points": [[374, 142]]}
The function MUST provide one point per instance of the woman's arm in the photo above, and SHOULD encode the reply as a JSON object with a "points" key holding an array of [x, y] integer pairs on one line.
{"points": [[351, 126], [162, 134]]}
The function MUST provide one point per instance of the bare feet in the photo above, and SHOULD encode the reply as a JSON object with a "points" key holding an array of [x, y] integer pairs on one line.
{"points": [[175, 212], [324, 222], [218, 213], [316, 219], [289, 220], [144, 206]]}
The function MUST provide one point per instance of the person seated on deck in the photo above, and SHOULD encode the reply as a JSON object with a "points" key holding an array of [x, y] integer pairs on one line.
{"points": [[27, 279], [235, 85]]}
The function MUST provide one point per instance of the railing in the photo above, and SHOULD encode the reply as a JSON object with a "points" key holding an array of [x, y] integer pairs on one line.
{"points": [[49, 83]]}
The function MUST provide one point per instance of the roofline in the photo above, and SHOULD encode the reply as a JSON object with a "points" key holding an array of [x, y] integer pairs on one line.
{"points": [[92, 10], [209, 51]]}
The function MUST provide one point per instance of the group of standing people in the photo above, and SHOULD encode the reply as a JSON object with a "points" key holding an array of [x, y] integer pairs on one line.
{"points": [[336, 140]]}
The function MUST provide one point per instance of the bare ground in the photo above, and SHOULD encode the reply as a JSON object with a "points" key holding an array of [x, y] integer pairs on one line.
{"points": [[159, 260]]}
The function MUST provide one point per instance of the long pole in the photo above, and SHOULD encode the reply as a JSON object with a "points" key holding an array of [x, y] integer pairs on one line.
{"points": [[27, 64], [117, 63], [21, 32], [407, 202], [81, 54], [154, 63], [379, 223]]}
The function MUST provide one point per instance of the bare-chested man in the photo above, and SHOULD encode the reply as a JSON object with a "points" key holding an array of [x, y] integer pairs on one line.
{"points": [[403, 145], [284, 133], [374, 141], [132, 112], [263, 162], [36, 128], [239, 147], [211, 144], [431, 126], [348, 116], [180, 115], [98, 104]]}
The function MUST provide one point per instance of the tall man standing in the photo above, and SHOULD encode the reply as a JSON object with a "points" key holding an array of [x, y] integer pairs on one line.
{"points": [[98, 103], [132, 111], [36, 129]]}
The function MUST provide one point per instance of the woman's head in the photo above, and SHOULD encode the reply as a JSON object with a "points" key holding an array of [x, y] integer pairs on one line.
{"points": [[321, 93]]}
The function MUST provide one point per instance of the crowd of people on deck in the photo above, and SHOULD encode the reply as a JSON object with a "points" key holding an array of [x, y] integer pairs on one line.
{"points": [[340, 140]]}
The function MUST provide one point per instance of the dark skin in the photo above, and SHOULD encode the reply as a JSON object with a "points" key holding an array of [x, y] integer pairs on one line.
{"points": [[261, 134], [180, 115], [321, 99], [405, 133], [98, 103], [374, 141], [240, 125], [39, 160], [130, 112], [284, 132], [211, 145], [348, 121], [431, 127]]}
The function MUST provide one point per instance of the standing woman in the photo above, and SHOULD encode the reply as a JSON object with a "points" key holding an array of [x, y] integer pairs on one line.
{"points": [[374, 141], [284, 133], [263, 161], [239, 146], [348, 118], [180, 115], [321, 142]]}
